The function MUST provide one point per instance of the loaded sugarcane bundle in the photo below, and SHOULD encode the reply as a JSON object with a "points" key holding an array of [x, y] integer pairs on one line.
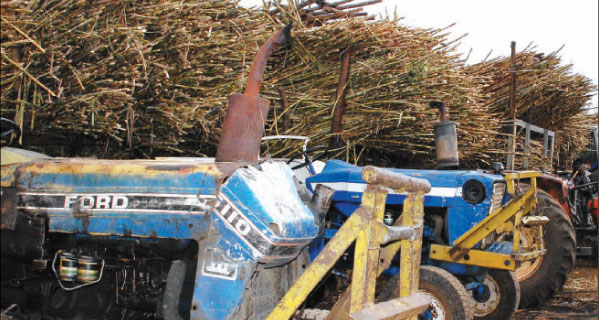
{"points": [[395, 72], [152, 78], [548, 93], [144, 76], [575, 138]]}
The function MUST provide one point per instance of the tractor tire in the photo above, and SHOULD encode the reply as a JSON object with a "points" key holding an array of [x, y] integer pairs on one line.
{"points": [[503, 299], [450, 300], [541, 278]]}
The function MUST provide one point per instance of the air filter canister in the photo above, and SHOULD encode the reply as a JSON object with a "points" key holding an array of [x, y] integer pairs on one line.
{"points": [[67, 270], [88, 269]]}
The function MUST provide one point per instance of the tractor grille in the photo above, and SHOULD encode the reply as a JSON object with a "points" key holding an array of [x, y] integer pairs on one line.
{"points": [[497, 196]]}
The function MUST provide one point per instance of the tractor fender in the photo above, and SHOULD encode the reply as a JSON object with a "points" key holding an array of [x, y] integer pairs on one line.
{"points": [[558, 188]]}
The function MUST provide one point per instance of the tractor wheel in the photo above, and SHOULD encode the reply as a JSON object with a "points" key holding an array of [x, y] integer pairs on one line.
{"points": [[449, 299], [542, 277], [502, 298]]}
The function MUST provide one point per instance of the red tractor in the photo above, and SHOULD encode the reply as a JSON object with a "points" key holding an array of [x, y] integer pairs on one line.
{"points": [[577, 194]]}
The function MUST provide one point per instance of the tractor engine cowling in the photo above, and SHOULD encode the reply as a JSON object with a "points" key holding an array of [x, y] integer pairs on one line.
{"points": [[150, 238]]}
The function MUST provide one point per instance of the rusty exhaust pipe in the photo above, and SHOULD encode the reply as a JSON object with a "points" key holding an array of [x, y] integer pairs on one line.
{"points": [[247, 113]]}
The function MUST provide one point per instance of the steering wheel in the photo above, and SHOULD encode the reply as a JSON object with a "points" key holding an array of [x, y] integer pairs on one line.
{"points": [[307, 160], [9, 127]]}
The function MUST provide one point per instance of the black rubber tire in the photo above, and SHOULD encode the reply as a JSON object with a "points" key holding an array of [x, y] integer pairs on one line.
{"points": [[508, 292], [561, 249], [443, 286]]}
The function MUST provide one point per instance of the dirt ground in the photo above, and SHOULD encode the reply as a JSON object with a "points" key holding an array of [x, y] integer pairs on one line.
{"points": [[577, 300]]}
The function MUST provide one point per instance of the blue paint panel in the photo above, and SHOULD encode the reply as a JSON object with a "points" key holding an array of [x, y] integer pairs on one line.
{"points": [[164, 179], [356, 197], [132, 224], [462, 216], [218, 297], [336, 171], [231, 243], [160, 183], [346, 208], [267, 199], [462, 219], [347, 196], [263, 206]]}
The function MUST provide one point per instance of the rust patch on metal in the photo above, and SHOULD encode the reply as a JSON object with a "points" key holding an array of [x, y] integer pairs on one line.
{"points": [[393, 180], [8, 211], [85, 220], [258, 66], [247, 113], [179, 168], [555, 187], [82, 214], [243, 128], [116, 167]]}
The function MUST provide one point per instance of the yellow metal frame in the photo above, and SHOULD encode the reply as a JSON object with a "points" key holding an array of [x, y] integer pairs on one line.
{"points": [[365, 226], [511, 214], [413, 206], [366, 251], [513, 178], [473, 257]]}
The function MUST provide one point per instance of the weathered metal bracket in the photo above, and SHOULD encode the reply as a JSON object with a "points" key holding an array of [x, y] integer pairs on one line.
{"points": [[366, 228]]}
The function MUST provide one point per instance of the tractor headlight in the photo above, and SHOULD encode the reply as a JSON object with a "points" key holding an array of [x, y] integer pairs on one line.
{"points": [[497, 196], [473, 191]]}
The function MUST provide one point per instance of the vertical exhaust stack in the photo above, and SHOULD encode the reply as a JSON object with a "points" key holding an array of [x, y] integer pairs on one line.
{"points": [[446, 142], [247, 113]]}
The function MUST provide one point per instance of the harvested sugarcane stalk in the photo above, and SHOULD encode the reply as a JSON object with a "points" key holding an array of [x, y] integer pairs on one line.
{"points": [[152, 79]]}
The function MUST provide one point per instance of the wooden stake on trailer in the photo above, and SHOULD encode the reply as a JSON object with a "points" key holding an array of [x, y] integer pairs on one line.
{"points": [[513, 80], [340, 98], [510, 161]]}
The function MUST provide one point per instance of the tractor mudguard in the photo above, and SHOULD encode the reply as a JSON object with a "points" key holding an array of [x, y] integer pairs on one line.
{"points": [[558, 188]]}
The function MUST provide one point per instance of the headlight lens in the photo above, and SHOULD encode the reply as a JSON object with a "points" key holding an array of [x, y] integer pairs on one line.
{"points": [[473, 191]]}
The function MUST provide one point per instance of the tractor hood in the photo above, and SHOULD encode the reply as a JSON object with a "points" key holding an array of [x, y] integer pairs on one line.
{"points": [[446, 185], [257, 204]]}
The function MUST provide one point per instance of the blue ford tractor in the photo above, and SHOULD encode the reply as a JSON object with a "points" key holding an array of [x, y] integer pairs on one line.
{"points": [[492, 240], [172, 238]]}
